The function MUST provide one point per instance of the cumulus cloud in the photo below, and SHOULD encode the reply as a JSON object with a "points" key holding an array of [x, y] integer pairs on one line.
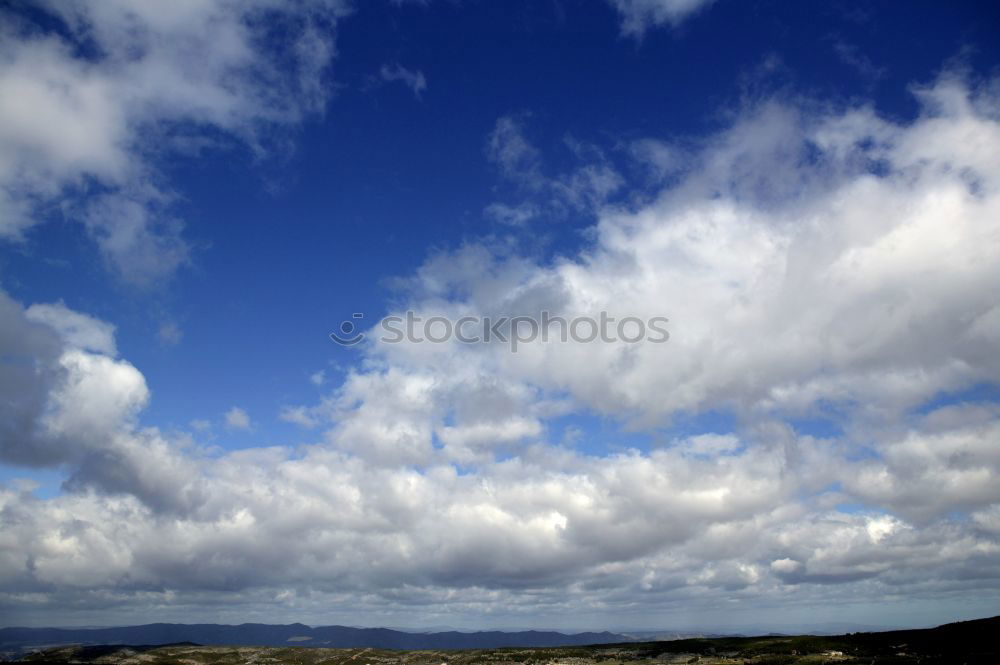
{"points": [[30, 368], [538, 533], [66, 392], [931, 470], [159, 77], [827, 263], [70, 403], [76, 329], [237, 418], [804, 260]]}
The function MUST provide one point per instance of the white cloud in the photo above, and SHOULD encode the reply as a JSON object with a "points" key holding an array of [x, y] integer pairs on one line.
{"points": [[853, 57], [161, 74], [169, 333], [465, 441], [583, 189], [299, 415], [414, 80], [136, 240], [641, 15], [510, 150], [318, 378], [76, 330], [65, 393], [201, 425], [709, 444], [516, 215], [630, 533], [97, 395], [237, 418], [793, 275], [659, 157], [808, 263], [924, 474]]}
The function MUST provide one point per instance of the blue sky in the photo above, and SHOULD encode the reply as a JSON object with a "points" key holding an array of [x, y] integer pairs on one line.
{"points": [[194, 198]]}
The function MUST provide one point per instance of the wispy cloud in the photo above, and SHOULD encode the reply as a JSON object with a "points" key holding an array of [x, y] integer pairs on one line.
{"points": [[853, 56], [638, 16], [318, 378], [584, 188], [237, 418], [413, 79], [169, 333], [299, 415]]}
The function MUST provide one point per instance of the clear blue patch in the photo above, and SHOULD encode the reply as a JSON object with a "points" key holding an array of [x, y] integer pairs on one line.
{"points": [[983, 392], [714, 421], [48, 481], [820, 427], [851, 508], [862, 453], [595, 435]]}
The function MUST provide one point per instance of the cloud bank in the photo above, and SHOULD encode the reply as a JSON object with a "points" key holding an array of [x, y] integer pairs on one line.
{"points": [[817, 265]]}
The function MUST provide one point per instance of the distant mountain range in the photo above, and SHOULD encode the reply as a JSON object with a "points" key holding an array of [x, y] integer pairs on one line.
{"points": [[14, 640], [973, 642]]}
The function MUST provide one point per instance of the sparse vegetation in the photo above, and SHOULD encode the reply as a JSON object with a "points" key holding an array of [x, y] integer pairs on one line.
{"points": [[971, 643]]}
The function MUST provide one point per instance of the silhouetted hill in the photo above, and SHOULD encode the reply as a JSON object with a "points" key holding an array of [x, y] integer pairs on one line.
{"points": [[968, 642], [962, 642], [296, 634], [978, 636]]}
